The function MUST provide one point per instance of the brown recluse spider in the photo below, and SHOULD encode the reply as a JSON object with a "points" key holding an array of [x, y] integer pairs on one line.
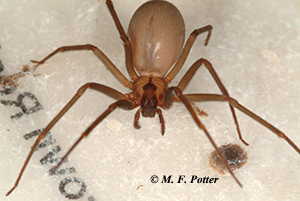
{"points": [[153, 45]]}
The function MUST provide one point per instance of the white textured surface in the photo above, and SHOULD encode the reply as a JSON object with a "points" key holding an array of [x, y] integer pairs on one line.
{"points": [[255, 50]]}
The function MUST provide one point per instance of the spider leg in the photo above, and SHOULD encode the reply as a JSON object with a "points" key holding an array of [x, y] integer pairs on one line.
{"points": [[187, 104], [125, 39], [124, 104], [98, 87], [237, 105], [191, 72], [105, 60], [186, 50]]}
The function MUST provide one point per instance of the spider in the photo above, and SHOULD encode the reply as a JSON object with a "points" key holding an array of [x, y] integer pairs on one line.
{"points": [[154, 44]]}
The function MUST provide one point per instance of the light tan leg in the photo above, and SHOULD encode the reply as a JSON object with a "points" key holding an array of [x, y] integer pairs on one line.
{"points": [[124, 104], [191, 72], [124, 37], [110, 66], [98, 87], [187, 104], [234, 103], [186, 50]]}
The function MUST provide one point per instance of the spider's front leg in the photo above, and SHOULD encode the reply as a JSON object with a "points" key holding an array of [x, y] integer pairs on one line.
{"points": [[121, 102], [188, 105], [191, 72]]}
